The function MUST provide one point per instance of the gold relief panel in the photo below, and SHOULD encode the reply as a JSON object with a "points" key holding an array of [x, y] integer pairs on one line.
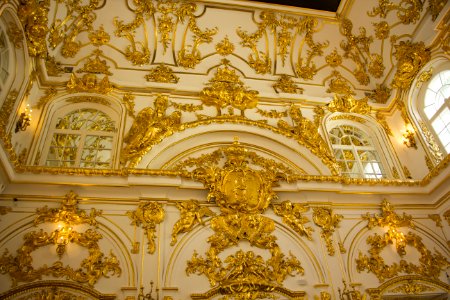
{"points": [[348, 104], [411, 57], [162, 73], [430, 264], [20, 267], [243, 194], [191, 214], [328, 221], [89, 83], [150, 126], [33, 15], [226, 89], [148, 215]]}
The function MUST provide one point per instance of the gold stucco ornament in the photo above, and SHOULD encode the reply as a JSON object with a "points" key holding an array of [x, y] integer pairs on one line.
{"points": [[226, 89], [148, 215], [21, 268], [430, 264], [243, 193], [151, 125]]}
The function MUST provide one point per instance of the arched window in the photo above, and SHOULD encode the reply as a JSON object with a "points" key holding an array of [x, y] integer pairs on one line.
{"points": [[437, 107], [4, 59], [355, 152], [82, 138]]}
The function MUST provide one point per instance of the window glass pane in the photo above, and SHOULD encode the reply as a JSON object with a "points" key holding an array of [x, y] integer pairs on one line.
{"points": [[355, 153], [82, 138], [86, 119]]}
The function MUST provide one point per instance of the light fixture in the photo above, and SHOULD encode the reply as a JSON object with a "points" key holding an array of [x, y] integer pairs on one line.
{"points": [[408, 138], [24, 119], [148, 296], [62, 238]]}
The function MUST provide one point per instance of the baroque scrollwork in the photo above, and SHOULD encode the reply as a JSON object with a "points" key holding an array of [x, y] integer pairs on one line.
{"points": [[328, 221], [292, 216], [243, 194], [148, 214], [20, 267], [33, 15], [411, 57], [431, 265]]}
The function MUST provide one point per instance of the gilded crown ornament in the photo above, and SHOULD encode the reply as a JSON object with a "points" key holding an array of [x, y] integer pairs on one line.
{"points": [[243, 193], [226, 89]]}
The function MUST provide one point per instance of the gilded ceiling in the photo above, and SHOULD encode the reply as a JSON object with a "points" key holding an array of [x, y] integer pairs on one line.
{"points": [[175, 45]]}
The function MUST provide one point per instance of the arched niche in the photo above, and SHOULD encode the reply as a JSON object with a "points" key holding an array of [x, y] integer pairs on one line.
{"points": [[195, 141]]}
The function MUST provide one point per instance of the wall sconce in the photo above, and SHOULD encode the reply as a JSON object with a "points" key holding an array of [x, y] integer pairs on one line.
{"points": [[24, 119], [63, 237], [408, 138], [148, 296]]}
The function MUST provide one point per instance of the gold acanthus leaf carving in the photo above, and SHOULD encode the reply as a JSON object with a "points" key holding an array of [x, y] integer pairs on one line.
{"points": [[286, 85], [380, 94], [381, 118], [437, 219], [192, 213], [334, 59], [433, 146], [148, 214], [328, 221], [292, 216], [189, 56], [89, 83], [99, 37], [388, 217], [61, 31], [226, 89], [357, 48], [162, 73], [348, 104], [20, 267], [225, 47], [33, 15], [137, 52], [150, 126], [242, 193], [408, 11], [424, 77], [411, 57]]}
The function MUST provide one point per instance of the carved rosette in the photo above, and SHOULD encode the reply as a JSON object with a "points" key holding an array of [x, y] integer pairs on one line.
{"points": [[148, 215]]}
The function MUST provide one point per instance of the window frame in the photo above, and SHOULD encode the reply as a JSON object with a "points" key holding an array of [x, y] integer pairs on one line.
{"points": [[355, 149], [429, 121], [52, 130]]}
